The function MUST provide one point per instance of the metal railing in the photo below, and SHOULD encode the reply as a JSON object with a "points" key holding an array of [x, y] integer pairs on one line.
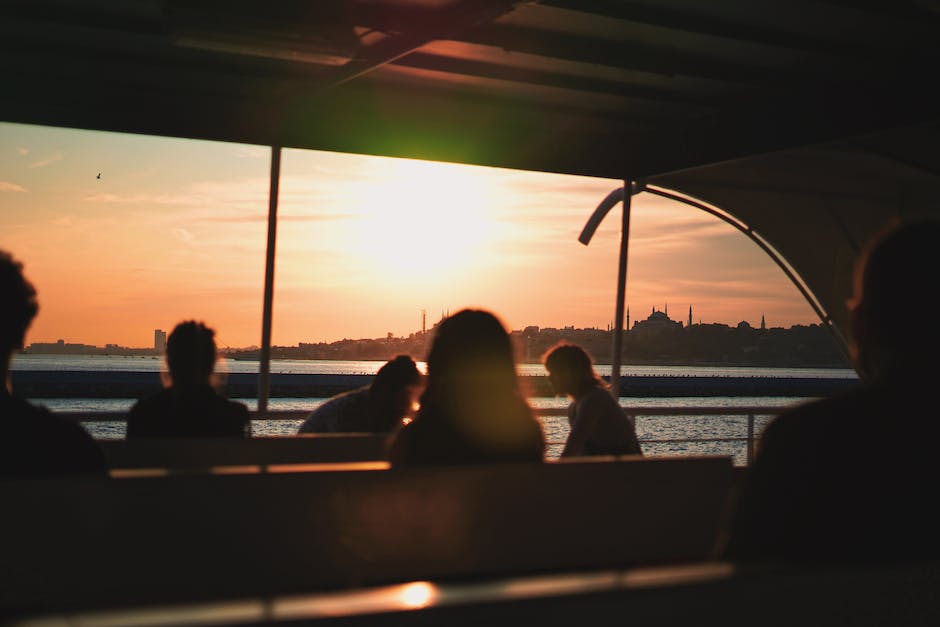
{"points": [[749, 437]]}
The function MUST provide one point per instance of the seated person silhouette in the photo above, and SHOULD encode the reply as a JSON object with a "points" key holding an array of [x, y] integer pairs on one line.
{"points": [[599, 426], [33, 441], [375, 408], [472, 408], [190, 406], [850, 478]]}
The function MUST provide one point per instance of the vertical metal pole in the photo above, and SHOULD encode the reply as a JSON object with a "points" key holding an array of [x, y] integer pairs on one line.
{"points": [[265, 365], [621, 291]]}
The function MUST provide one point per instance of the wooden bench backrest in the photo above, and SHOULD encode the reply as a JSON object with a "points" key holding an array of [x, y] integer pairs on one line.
{"points": [[92, 542], [202, 453]]}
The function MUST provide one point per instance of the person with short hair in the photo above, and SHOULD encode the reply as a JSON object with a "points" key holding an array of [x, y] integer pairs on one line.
{"points": [[850, 478], [190, 406], [598, 425], [472, 409], [375, 408], [33, 441]]}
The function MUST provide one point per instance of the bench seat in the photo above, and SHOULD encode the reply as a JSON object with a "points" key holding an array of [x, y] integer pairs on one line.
{"points": [[106, 542], [194, 454]]}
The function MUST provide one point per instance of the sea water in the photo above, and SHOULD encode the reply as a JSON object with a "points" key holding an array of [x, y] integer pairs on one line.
{"points": [[659, 435]]}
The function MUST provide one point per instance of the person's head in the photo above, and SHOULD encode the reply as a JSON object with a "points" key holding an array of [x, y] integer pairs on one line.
{"points": [[190, 354], [570, 369], [471, 378], [898, 269], [19, 305], [471, 346], [393, 392]]}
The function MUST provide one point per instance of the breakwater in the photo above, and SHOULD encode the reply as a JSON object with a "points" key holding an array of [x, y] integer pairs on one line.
{"points": [[136, 384]]}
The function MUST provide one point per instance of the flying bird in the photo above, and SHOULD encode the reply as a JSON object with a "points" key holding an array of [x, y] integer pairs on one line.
{"points": [[99, 175]]}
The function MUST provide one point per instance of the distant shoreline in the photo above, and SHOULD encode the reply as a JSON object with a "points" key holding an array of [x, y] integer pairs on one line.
{"points": [[525, 362]]}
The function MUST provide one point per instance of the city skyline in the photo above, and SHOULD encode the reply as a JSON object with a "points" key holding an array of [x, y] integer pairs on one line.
{"points": [[175, 229], [160, 335]]}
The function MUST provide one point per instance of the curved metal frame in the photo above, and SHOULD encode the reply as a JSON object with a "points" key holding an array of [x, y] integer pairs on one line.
{"points": [[766, 247]]}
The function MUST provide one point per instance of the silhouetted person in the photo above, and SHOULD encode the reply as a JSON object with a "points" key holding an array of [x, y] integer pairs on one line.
{"points": [[190, 406], [376, 408], [472, 409], [851, 478], [33, 441], [599, 426]]}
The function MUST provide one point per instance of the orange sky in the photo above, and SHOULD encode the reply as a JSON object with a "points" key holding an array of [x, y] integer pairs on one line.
{"points": [[175, 229]]}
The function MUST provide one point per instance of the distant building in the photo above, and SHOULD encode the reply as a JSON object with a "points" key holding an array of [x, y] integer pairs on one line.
{"points": [[61, 347], [657, 322], [159, 341]]}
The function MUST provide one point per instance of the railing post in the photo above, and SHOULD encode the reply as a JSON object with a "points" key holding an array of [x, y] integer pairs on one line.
{"points": [[264, 367], [750, 438]]}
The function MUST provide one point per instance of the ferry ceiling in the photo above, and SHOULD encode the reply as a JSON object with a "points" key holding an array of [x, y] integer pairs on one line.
{"points": [[809, 122]]}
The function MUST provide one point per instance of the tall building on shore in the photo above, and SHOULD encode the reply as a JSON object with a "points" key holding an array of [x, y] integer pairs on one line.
{"points": [[159, 341], [657, 322]]}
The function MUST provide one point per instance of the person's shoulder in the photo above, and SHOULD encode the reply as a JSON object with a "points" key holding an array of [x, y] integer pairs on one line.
{"points": [[598, 399], [353, 397], [39, 419], [151, 403], [147, 410], [326, 416], [46, 443], [820, 415], [343, 399], [19, 408], [235, 412]]}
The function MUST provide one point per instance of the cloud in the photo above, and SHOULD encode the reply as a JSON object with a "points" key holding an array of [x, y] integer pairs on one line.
{"points": [[23, 151], [6, 186], [183, 235], [47, 161], [325, 217], [247, 151], [145, 199]]}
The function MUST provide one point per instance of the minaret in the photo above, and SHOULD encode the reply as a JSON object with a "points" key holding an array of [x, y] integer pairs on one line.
{"points": [[628, 319], [424, 321], [666, 310], [690, 316], [763, 324]]}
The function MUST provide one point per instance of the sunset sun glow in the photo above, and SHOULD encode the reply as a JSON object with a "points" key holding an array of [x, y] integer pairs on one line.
{"points": [[419, 218], [175, 229]]}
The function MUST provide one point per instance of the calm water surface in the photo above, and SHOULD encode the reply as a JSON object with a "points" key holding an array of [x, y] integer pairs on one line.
{"points": [[651, 429], [320, 366]]}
